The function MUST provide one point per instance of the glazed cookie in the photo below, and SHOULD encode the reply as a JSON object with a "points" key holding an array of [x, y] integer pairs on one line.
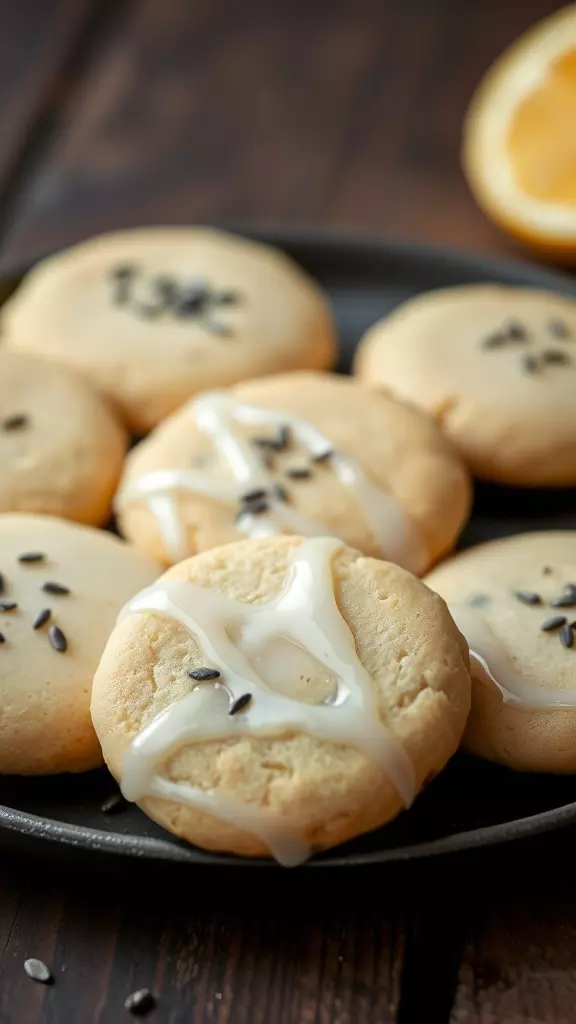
{"points": [[515, 601], [496, 367], [62, 586], [302, 453], [61, 447], [280, 696], [152, 316]]}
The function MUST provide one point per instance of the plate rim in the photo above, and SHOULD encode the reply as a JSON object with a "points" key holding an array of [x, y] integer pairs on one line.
{"points": [[149, 848]]}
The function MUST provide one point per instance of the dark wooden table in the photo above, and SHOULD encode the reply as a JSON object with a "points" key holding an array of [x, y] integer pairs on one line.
{"points": [[338, 113]]}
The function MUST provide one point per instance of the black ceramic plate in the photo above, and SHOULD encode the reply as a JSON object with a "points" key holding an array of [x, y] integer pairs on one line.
{"points": [[471, 804]]}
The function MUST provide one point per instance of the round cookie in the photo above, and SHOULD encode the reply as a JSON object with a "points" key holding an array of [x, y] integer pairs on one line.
{"points": [[514, 600], [496, 367], [154, 315], [61, 447], [280, 696], [62, 587], [302, 453]]}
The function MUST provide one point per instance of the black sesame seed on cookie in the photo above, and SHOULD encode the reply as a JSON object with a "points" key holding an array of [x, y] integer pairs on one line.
{"points": [[17, 421], [58, 639], [204, 673], [555, 622], [29, 557], [528, 597], [56, 588], [240, 703], [567, 636], [42, 618]]}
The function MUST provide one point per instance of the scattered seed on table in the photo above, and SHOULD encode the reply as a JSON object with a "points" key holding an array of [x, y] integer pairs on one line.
{"points": [[29, 557], [42, 618], [239, 704], [298, 473], [479, 600], [141, 1002], [567, 636], [2, 583], [114, 804], [56, 588], [201, 674], [555, 622], [528, 597], [57, 639], [38, 971], [15, 422], [547, 570], [2, 638], [8, 606]]}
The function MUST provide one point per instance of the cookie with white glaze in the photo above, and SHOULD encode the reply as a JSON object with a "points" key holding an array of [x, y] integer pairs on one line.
{"points": [[302, 453], [515, 601], [280, 696], [61, 446], [154, 315], [496, 367], [62, 588]]}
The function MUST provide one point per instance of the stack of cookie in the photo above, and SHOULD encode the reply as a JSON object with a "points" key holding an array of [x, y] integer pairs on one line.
{"points": [[288, 682]]}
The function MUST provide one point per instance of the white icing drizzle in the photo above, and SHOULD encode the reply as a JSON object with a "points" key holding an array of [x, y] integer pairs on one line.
{"points": [[492, 664], [305, 613], [216, 413]]}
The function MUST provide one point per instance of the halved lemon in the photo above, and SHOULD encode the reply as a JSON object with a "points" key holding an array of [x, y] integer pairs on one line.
{"points": [[519, 151]]}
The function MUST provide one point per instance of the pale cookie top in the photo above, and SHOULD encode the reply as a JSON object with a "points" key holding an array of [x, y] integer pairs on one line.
{"points": [[62, 586], [496, 367], [280, 695], [156, 314], [515, 601], [61, 446], [299, 453]]}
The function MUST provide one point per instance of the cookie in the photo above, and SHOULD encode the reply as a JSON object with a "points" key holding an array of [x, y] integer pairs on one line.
{"points": [[515, 601], [302, 453], [496, 367], [280, 696], [61, 447], [62, 586], [152, 316]]}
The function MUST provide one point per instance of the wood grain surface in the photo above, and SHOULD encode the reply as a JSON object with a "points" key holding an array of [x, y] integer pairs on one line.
{"points": [[309, 112], [209, 949], [325, 112], [520, 961]]}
